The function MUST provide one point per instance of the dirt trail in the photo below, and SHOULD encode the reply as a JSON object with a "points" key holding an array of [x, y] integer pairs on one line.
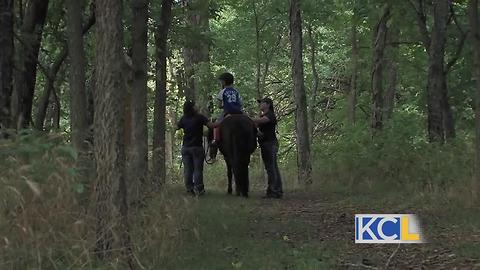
{"points": [[303, 218]]}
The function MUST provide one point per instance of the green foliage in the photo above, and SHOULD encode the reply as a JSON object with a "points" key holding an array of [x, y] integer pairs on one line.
{"points": [[45, 222], [396, 159]]}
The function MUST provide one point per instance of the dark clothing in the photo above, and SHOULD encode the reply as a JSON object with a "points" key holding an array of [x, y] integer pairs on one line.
{"points": [[269, 155], [192, 151], [193, 168], [193, 129], [269, 149], [267, 130]]}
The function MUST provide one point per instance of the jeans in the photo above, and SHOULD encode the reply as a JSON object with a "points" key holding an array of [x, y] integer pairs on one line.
{"points": [[269, 152], [193, 158]]}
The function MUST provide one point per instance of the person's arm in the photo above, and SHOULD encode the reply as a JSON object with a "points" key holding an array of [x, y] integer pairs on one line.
{"points": [[179, 124], [261, 120], [211, 125], [220, 99]]}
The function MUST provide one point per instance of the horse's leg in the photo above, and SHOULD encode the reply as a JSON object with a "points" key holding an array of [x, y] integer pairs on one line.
{"points": [[229, 175], [246, 182], [238, 180], [244, 179]]}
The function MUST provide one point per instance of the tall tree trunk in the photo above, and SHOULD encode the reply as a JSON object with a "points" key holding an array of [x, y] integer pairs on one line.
{"points": [[139, 158], [76, 52], [111, 212], [352, 93], [47, 95], [303, 141], [6, 61], [257, 50], [53, 106], [25, 78], [437, 101], [441, 125], [316, 80], [196, 51], [159, 121], [392, 76], [475, 28], [51, 75], [379, 44]]}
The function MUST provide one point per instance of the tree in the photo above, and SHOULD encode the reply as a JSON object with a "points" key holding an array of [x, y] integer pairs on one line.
{"points": [[355, 51], [159, 121], [475, 36], [257, 50], [379, 44], [76, 52], [6, 61], [25, 77], [440, 116], [392, 76], [139, 159], [50, 73], [110, 191], [303, 141], [196, 52], [316, 80]]}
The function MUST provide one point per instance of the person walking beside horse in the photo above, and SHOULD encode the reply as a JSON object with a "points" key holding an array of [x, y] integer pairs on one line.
{"points": [[268, 142], [193, 155]]}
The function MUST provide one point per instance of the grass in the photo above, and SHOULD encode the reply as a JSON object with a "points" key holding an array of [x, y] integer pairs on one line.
{"points": [[43, 223], [224, 234]]}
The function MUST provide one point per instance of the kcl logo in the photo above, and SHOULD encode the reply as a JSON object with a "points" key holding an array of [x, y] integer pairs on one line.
{"points": [[378, 229]]}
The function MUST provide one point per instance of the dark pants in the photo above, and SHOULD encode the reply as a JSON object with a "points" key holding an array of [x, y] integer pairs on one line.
{"points": [[193, 158], [269, 155]]}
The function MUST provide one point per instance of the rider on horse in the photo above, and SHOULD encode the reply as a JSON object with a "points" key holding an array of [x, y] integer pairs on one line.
{"points": [[229, 100]]}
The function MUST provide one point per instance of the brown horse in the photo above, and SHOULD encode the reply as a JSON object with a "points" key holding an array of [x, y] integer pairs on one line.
{"points": [[237, 144]]}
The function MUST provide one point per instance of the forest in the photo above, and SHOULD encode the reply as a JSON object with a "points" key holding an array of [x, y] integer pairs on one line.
{"points": [[377, 108]]}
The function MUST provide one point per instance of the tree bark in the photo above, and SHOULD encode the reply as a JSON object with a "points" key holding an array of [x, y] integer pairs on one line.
{"points": [[441, 125], [437, 101], [352, 94], [196, 52], [51, 75], [76, 52], [25, 78], [303, 141], [392, 76], [6, 61], [316, 80], [379, 44], [139, 151], [257, 51], [475, 36], [159, 122], [110, 191]]}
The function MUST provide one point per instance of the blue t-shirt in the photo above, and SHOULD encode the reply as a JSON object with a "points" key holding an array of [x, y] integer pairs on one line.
{"points": [[232, 103]]}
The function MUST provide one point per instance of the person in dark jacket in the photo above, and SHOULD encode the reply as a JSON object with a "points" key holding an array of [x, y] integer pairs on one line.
{"points": [[193, 154], [268, 142]]}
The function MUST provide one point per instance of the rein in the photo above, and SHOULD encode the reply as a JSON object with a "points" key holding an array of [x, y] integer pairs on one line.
{"points": [[206, 151]]}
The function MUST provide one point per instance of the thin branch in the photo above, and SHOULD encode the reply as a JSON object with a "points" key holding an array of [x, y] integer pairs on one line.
{"points": [[455, 20], [463, 37], [458, 52], [396, 43], [360, 265], [391, 256], [421, 22]]}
